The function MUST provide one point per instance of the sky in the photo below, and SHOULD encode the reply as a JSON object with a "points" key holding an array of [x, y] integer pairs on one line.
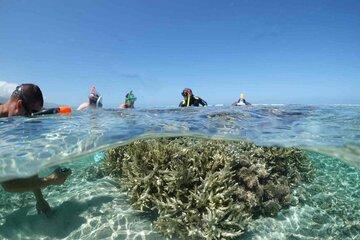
{"points": [[305, 52]]}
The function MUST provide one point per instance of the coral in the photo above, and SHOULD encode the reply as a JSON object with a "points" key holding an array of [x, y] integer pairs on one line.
{"points": [[206, 188]]}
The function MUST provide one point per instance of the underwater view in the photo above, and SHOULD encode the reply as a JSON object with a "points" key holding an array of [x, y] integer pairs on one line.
{"points": [[254, 172]]}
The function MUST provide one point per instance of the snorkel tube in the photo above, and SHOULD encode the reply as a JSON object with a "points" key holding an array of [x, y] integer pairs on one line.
{"points": [[186, 93], [99, 102], [241, 96], [63, 110]]}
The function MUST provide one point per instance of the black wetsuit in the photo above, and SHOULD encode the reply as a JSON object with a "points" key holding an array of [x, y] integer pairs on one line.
{"points": [[194, 101], [243, 100]]}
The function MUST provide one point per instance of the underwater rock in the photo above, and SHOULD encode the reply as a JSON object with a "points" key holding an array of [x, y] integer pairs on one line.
{"points": [[206, 188]]}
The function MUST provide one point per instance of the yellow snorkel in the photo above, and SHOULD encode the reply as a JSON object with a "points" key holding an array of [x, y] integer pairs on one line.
{"points": [[241, 96], [186, 93]]}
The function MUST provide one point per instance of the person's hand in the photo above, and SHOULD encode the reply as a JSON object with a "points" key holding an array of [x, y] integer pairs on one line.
{"points": [[59, 176], [43, 207]]}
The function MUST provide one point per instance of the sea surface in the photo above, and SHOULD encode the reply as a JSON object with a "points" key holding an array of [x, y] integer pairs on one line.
{"points": [[92, 206]]}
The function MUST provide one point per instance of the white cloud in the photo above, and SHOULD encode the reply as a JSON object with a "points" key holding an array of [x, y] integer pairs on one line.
{"points": [[6, 89]]}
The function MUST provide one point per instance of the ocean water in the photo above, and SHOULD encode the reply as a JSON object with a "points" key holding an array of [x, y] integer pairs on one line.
{"points": [[92, 206]]}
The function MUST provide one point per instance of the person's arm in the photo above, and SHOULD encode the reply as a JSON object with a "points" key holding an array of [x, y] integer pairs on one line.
{"points": [[83, 106], [34, 183], [182, 103], [202, 102]]}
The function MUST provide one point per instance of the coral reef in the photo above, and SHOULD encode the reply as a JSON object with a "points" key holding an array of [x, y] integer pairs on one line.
{"points": [[206, 188]]}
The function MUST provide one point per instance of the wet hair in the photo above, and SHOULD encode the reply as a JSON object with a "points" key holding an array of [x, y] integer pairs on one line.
{"points": [[187, 92], [29, 93]]}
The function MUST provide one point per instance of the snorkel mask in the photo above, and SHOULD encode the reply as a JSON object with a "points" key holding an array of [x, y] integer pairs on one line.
{"points": [[94, 98], [130, 99]]}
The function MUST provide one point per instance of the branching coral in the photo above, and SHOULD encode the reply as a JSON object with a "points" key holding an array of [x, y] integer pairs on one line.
{"points": [[206, 188]]}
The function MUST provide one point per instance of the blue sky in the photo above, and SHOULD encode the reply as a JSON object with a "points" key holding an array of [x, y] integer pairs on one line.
{"points": [[274, 51]]}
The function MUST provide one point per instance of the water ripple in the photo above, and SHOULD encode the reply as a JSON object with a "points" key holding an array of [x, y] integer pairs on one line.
{"points": [[27, 145]]}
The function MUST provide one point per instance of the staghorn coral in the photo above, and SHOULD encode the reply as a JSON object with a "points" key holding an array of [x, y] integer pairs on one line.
{"points": [[206, 188]]}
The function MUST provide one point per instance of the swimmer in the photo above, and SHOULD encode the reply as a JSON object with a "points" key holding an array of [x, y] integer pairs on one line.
{"points": [[241, 101], [26, 100], [129, 100], [95, 100], [190, 99]]}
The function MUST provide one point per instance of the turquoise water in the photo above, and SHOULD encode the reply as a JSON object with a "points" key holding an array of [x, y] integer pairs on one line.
{"points": [[87, 206], [91, 206], [327, 208]]}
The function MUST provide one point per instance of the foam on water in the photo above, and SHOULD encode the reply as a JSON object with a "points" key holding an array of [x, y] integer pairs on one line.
{"points": [[27, 145]]}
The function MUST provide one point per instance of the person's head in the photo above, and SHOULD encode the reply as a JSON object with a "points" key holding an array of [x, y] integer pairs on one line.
{"points": [[94, 98], [242, 97], [130, 99], [187, 93], [25, 100]]}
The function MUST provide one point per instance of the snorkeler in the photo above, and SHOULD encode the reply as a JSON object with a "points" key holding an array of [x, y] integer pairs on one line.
{"points": [[95, 100], [26, 100], [129, 100], [241, 101], [190, 99]]}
